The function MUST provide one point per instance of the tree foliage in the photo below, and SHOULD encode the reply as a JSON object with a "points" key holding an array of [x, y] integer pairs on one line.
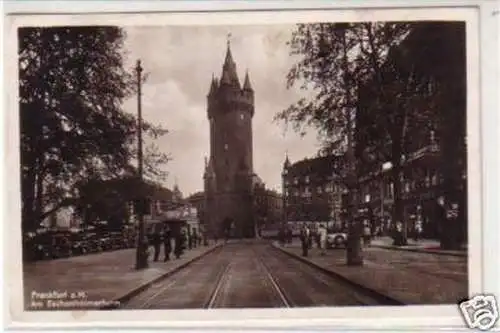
{"points": [[323, 49], [376, 80], [71, 87]]}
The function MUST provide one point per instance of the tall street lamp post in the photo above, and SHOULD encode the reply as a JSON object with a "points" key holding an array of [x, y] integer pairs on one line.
{"points": [[353, 253], [142, 246]]}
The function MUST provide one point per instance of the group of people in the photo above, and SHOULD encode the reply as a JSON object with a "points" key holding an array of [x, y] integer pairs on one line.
{"points": [[308, 236], [182, 240]]}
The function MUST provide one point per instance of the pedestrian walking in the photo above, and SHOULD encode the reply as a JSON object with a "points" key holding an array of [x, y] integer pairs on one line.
{"points": [[178, 244], [305, 238], [289, 235], [366, 234], [398, 234], [322, 238], [189, 239], [156, 242], [418, 229], [317, 238], [195, 238], [167, 245], [281, 236]]}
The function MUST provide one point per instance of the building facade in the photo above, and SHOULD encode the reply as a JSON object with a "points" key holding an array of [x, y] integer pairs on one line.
{"points": [[312, 191], [268, 208], [229, 169], [197, 200], [421, 182]]}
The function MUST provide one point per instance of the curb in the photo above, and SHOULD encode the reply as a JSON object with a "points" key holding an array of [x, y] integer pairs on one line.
{"points": [[384, 299], [127, 296], [394, 248]]}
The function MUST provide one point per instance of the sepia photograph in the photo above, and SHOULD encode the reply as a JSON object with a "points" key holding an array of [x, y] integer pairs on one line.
{"points": [[361, 200], [311, 164]]}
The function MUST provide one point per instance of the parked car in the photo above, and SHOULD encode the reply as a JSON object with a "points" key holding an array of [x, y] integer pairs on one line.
{"points": [[336, 239]]}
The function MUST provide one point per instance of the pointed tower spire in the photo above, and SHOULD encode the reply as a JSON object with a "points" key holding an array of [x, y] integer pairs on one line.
{"points": [[229, 56], [287, 160], [246, 85], [229, 74], [213, 85]]}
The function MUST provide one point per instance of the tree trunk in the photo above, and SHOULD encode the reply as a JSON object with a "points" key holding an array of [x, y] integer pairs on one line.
{"points": [[28, 200], [397, 214], [39, 200], [354, 251]]}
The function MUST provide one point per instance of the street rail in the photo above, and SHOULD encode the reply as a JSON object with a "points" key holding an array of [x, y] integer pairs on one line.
{"points": [[221, 279]]}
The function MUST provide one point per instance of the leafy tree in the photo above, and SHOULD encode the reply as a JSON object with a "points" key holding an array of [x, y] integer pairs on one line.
{"points": [[395, 107], [72, 84], [335, 59]]}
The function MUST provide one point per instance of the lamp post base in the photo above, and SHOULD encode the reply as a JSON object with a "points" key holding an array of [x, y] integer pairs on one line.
{"points": [[354, 261], [354, 253], [142, 256]]}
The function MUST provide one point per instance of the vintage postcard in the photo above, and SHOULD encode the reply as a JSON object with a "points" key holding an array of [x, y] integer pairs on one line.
{"points": [[315, 167]]}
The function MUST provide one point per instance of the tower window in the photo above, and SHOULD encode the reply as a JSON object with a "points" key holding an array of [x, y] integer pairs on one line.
{"points": [[242, 116], [226, 146]]}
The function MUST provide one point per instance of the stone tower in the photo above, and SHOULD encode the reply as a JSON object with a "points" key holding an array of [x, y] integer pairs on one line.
{"points": [[229, 169]]}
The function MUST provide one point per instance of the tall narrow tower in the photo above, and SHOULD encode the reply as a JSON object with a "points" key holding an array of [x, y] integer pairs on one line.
{"points": [[229, 169]]}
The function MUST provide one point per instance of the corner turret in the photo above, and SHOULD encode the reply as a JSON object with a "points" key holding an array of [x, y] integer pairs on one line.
{"points": [[246, 85]]}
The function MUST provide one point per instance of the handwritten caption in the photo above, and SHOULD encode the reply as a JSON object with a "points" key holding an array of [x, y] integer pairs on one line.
{"points": [[60, 300]]}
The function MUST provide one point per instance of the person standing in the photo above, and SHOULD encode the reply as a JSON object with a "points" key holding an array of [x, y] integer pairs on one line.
{"points": [[322, 238], [189, 239], [418, 228], [167, 243], [367, 233], [194, 242], [178, 244], [305, 238], [281, 236], [156, 240]]}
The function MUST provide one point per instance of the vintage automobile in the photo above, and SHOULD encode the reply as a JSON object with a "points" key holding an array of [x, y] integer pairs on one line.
{"points": [[60, 245], [336, 239], [36, 246]]}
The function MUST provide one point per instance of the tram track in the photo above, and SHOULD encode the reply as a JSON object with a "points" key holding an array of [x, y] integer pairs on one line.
{"points": [[252, 276], [183, 289]]}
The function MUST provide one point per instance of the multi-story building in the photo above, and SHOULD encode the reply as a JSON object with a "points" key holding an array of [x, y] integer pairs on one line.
{"points": [[268, 208], [312, 191], [433, 152], [420, 183], [197, 200], [229, 169]]}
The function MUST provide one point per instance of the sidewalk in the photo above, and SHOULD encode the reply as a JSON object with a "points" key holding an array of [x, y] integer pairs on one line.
{"points": [[107, 277], [424, 245], [409, 277]]}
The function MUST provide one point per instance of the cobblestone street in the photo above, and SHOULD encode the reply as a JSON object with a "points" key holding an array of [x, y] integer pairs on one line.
{"points": [[411, 277], [105, 276]]}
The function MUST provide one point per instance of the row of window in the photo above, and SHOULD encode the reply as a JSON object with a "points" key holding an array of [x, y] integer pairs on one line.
{"points": [[306, 180], [426, 181], [309, 191]]}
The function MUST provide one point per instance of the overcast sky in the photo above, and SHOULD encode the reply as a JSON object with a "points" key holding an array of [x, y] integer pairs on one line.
{"points": [[180, 62]]}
